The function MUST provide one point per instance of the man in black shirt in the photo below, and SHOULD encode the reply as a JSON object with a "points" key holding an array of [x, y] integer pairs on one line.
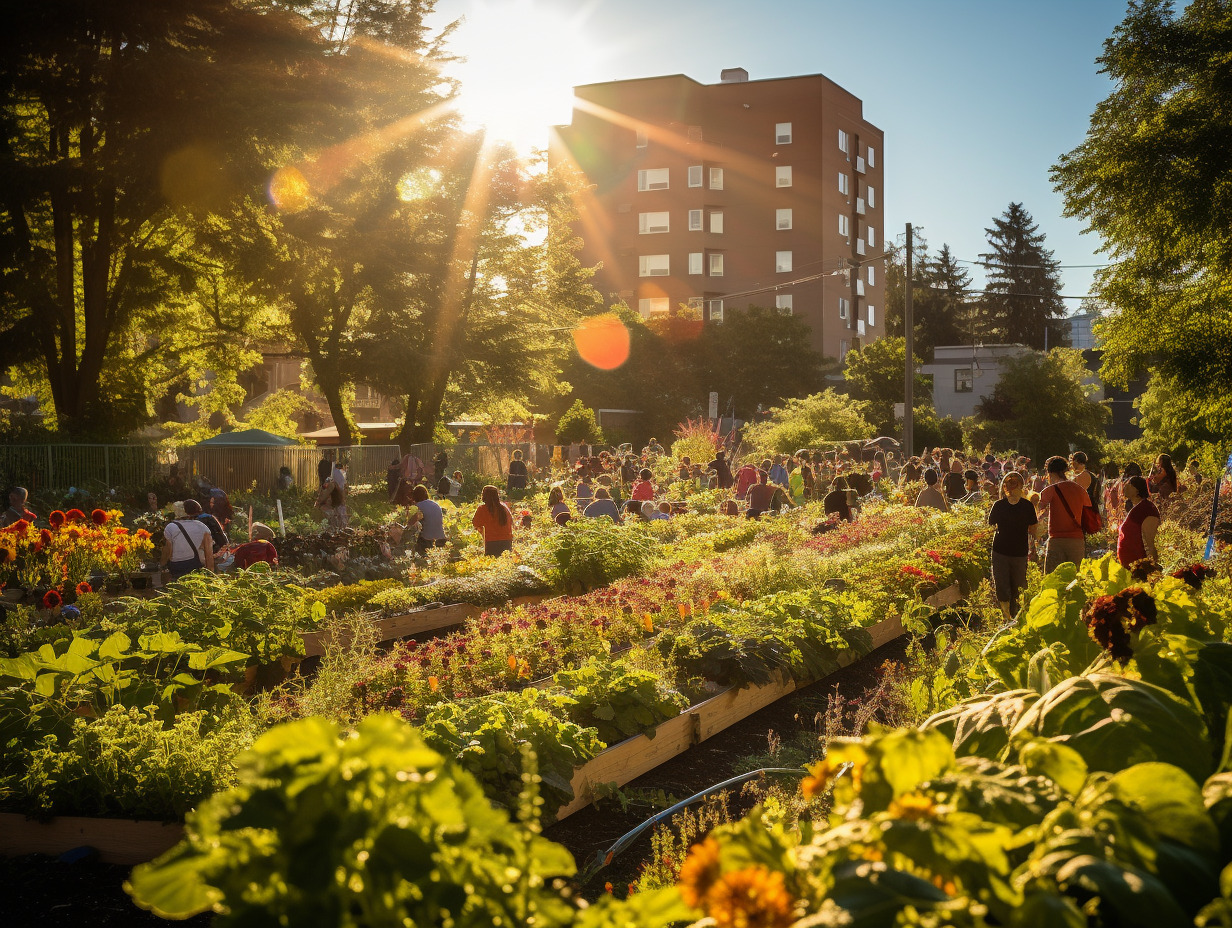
{"points": [[836, 500], [954, 485], [720, 466]]}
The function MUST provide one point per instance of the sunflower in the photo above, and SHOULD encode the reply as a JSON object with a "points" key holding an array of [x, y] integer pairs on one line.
{"points": [[914, 807], [751, 898], [699, 872], [99, 517], [51, 599]]}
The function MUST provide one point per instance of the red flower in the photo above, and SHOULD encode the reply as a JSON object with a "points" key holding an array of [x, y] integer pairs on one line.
{"points": [[56, 518], [20, 526], [98, 517], [120, 551], [75, 515], [83, 588], [51, 599]]}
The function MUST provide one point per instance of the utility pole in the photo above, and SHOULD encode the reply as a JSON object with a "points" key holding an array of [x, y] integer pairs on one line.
{"points": [[909, 368]]}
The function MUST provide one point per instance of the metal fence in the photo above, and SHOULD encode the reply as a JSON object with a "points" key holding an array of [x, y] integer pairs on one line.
{"points": [[244, 468], [93, 467]]}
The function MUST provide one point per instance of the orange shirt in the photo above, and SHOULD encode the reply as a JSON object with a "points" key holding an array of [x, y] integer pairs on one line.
{"points": [[490, 527]]}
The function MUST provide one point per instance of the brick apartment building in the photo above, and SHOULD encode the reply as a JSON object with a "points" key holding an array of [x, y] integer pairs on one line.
{"points": [[741, 193]]}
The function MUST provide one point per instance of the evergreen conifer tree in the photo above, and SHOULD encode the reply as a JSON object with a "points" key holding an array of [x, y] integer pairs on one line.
{"points": [[1022, 298]]}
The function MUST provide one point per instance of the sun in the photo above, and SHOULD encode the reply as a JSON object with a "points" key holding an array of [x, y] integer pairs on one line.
{"points": [[523, 58]]}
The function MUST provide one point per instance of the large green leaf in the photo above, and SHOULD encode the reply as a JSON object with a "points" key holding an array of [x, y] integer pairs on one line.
{"points": [[174, 885]]}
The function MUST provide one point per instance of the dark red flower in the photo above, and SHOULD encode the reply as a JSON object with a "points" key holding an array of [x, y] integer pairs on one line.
{"points": [[98, 517], [75, 515], [20, 526], [1193, 575], [56, 518], [83, 588], [51, 599]]}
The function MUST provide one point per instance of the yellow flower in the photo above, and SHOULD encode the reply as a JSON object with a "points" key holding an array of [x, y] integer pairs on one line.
{"points": [[821, 775], [914, 807], [699, 872], [750, 898]]}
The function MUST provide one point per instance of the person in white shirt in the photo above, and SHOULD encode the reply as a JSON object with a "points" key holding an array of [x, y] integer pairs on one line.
{"points": [[187, 543]]}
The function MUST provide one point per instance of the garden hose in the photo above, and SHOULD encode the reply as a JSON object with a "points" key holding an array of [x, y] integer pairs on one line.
{"points": [[603, 858]]}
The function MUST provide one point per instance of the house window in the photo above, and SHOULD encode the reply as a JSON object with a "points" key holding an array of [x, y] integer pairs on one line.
{"points": [[655, 306], [695, 220], [844, 225], [871, 236], [652, 179], [782, 302], [695, 175], [716, 265], [844, 187], [716, 221], [872, 198], [782, 176], [653, 266], [872, 276], [716, 310], [643, 138], [649, 223], [782, 261], [872, 314], [842, 350], [962, 380], [782, 133], [695, 262], [716, 178], [782, 219], [843, 144], [695, 303], [872, 157], [842, 307]]}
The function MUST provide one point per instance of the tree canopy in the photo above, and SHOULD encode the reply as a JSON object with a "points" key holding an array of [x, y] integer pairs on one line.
{"points": [[875, 375], [1022, 297]]}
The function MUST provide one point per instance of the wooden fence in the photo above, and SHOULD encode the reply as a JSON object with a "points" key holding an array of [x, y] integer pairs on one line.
{"points": [[91, 467]]}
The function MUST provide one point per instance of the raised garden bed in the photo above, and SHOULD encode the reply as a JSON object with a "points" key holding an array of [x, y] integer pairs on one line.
{"points": [[117, 840]]}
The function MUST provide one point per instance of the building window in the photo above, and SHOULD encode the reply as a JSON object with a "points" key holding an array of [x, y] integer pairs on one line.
{"points": [[782, 176], [842, 307], [842, 350], [782, 133], [962, 380], [782, 261], [872, 198], [871, 236], [695, 304], [653, 266], [643, 138], [650, 223], [716, 310], [695, 220], [716, 178], [844, 187], [782, 219], [695, 262], [872, 276], [872, 314], [872, 157], [652, 179], [695, 133], [695, 175], [716, 221], [844, 225], [843, 144], [782, 301], [716, 265], [655, 306]]}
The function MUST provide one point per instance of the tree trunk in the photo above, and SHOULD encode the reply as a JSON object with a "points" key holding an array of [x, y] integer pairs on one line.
{"points": [[332, 391]]}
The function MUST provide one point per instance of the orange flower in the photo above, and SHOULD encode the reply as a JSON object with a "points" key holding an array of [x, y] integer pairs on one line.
{"points": [[56, 518], [699, 872], [751, 898], [648, 623], [914, 807], [513, 662], [821, 775], [51, 599], [684, 609], [83, 588], [434, 684], [143, 534]]}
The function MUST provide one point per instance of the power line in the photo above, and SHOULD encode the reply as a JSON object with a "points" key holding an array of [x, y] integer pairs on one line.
{"points": [[1034, 266]]}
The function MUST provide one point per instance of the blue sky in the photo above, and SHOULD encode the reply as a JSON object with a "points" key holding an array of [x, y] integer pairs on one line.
{"points": [[977, 98]]}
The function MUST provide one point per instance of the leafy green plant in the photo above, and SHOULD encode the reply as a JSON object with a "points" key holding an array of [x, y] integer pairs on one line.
{"points": [[618, 701], [589, 553], [349, 597], [339, 831]]}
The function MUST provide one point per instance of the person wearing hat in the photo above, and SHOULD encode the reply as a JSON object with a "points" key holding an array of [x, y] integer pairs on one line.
{"points": [[260, 548]]}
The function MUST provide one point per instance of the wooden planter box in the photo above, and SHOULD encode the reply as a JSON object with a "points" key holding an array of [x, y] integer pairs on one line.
{"points": [[117, 840], [417, 622], [628, 760]]}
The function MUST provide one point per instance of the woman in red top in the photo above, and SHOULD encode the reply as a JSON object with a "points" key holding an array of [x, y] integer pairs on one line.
{"points": [[1136, 537], [494, 522], [260, 548], [644, 488]]}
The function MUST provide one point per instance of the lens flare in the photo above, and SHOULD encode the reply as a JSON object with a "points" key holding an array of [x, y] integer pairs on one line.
{"points": [[289, 190], [602, 341]]}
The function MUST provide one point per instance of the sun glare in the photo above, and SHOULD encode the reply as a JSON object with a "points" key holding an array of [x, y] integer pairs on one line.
{"points": [[522, 61]]}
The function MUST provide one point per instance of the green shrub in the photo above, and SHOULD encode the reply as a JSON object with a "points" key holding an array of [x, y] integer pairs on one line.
{"points": [[578, 424], [351, 597], [589, 553]]}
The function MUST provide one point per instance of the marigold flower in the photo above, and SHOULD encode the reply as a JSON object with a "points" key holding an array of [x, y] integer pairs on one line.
{"points": [[753, 897], [98, 517], [75, 515], [56, 518], [51, 599], [821, 775], [699, 872], [119, 551], [434, 684], [513, 662], [143, 534], [83, 588], [914, 807], [648, 623]]}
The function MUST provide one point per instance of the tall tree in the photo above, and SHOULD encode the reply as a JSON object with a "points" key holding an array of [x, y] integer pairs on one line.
{"points": [[946, 311], [120, 121], [875, 375], [1151, 178], [1022, 296]]}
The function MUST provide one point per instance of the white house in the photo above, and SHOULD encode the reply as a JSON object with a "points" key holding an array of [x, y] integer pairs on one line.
{"points": [[964, 375]]}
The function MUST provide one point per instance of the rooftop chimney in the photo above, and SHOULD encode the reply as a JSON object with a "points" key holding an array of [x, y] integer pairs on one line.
{"points": [[733, 75]]}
